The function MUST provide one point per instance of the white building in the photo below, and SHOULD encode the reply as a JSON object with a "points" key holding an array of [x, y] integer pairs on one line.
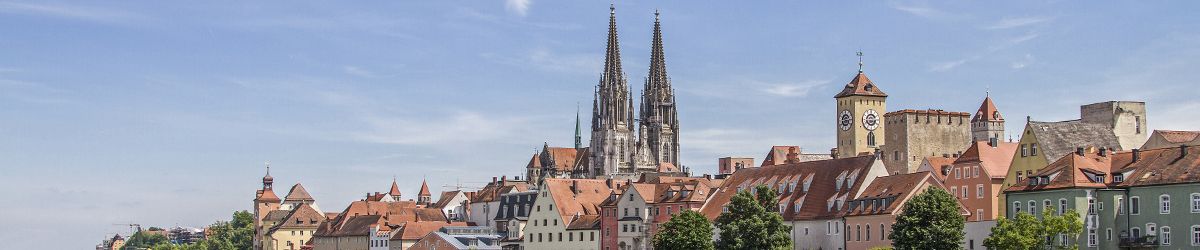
{"points": [[566, 214]]}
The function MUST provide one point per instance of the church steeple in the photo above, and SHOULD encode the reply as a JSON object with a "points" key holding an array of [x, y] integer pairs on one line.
{"points": [[578, 134], [612, 112], [660, 138]]}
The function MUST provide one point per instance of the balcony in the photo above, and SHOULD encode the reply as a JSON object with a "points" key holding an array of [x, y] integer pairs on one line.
{"points": [[1144, 241]]}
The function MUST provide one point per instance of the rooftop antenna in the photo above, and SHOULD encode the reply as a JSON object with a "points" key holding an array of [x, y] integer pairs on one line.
{"points": [[860, 61], [268, 167], [987, 92]]}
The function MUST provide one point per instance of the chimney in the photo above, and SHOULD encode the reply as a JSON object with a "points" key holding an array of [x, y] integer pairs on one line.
{"points": [[575, 186], [1079, 151], [1136, 154], [993, 141], [493, 179], [833, 153], [793, 156], [1103, 151], [955, 155], [1027, 119], [608, 182], [944, 155], [1183, 151], [504, 180]]}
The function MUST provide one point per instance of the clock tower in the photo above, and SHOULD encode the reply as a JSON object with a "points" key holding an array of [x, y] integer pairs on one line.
{"points": [[860, 109]]}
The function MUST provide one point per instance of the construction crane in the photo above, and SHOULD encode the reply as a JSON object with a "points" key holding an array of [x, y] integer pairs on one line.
{"points": [[132, 226]]}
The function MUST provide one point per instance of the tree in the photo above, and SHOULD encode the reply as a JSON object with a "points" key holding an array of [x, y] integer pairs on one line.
{"points": [[1028, 232], [686, 230], [747, 224], [236, 234], [930, 220], [143, 240]]}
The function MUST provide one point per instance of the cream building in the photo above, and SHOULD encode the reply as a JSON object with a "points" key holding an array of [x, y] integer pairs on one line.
{"points": [[294, 230], [566, 214]]}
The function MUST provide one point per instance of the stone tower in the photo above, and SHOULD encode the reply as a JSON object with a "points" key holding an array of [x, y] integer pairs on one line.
{"points": [[265, 201], [988, 124], [659, 128], [612, 140], [1127, 119], [860, 109]]}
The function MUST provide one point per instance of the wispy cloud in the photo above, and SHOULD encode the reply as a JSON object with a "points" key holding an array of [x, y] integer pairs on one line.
{"points": [[1001, 45], [1015, 22], [924, 11], [462, 127], [69, 11], [360, 72], [519, 7], [1024, 62], [793, 89], [548, 60]]}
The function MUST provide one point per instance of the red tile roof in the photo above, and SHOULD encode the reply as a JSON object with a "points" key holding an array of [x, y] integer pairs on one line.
{"points": [[860, 85], [394, 213], [424, 189], [938, 164], [298, 194], [987, 111], [814, 202], [416, 229], [267, 196], [995, 160], [303, 216], [887, 194], [1159, 166], [578, 196], [1069, 172], [395, 189], [1178, 136]]}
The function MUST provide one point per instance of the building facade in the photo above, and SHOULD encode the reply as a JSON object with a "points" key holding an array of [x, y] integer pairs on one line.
{"points": [[860, 108], [566, 214], [512, 217], [916, 134]]}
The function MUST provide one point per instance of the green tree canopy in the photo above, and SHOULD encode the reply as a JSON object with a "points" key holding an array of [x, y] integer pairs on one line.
{"points": [[1028, 232], [236, 234], [930, 220], [751, 223], [685, 231]]}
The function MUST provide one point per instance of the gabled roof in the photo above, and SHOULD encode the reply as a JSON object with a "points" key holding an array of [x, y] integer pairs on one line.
{"points": [[534, 162], [298, 194], [1057, 139], [1069, 172], [276, 215], [303, 216], [1178, 136], [492, 191], [417, 229], [585, 222], [1159, 166], [778, 155], [445, 199], [937, 165], [564, 159], [994, 160], [887, 194], [862, 86], [987, 111], [577, 196], [823, 175], [394, 213]]}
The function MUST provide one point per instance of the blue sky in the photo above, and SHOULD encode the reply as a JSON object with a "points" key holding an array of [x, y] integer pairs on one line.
{"points": [[162, 113]]}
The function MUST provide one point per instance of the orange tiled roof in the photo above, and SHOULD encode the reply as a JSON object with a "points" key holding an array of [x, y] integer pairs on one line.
{"points": [[1069, 172], [860, 85], [424, 189], [578, 196], [303, 216], [987, 111], [1178, 136], [298, 194], [395, 189], [1159, 166], [994, 160], [887, 194], [416, 229], [267, 195], [823, 173], [394, 213]]}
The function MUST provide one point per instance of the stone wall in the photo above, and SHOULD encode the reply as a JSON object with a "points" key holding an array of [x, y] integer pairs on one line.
{"points": [[1126, 118], [916, 134]]}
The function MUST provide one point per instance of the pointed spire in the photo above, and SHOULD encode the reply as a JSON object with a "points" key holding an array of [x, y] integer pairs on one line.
{"points": [[612, 56], [578, 134], [268, 181], [987, 111], [424, 189], [395, 191]]}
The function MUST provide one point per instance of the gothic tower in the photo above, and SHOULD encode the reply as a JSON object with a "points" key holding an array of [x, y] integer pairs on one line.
{"points": [[659, 128], [987, 125], [612, 140], [860, 109]]}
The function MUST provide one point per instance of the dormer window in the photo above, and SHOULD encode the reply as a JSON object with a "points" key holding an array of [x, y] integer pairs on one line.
{"points": [[1033, 181], [1118, 178]]}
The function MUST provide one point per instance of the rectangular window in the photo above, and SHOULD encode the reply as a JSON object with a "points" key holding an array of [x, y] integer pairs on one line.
{"points": [[1195, 203], [978, 190], [1120, 204], [1135, 205], [957, 173], [965, 192], [1166, 236], [1033, 149], [979, 214], [1164, 204], [954, 190], [1024, 151], [1195, 235], [1108, 234], [1091, 237], [975, 172]]}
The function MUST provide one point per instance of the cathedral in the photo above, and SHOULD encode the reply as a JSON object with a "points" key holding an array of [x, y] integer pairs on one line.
{"points": [[622, 146]]}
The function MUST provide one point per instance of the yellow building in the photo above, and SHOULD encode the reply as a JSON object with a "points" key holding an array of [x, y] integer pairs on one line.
{"points": [[295, 229], [860, 109], [1042, 141]]}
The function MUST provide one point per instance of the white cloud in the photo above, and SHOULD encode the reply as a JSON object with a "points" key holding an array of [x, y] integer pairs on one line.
{"points": [[356, 71], [925, 12], [793, 89], [547, 60], [67, 11], [1003, 44], [463, 127], [1008, 22], [1024, 62], [945, 66], [519, 7]]}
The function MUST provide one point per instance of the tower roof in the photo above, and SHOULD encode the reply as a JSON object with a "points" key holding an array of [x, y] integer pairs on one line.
{"points": [[424, 189], [267, 195], [395, 189], [612, 55], [298, 194], [987, 111], [861, 86]]}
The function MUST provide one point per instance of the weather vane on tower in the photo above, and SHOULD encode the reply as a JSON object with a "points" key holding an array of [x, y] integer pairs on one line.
{"points": [[860, 62]]}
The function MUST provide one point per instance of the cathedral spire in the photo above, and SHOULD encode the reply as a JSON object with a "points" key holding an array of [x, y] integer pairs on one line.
{"points": [[612, 55], [578, 133]]}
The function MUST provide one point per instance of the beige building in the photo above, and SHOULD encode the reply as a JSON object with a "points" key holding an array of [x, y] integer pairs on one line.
{"points": [[916, 134], [1126, 119], [293, 230], [860, 109], [566, 214]]}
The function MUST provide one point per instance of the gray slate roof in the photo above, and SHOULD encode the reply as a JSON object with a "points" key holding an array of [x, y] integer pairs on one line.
{"points": [[1056, 139]]}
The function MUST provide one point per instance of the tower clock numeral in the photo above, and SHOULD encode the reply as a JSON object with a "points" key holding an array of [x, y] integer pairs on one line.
{"points": [[845, 120], [870, 120]]}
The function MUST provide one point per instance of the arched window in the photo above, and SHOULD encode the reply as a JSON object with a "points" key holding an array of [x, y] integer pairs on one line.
{"points": [[1164, 204], [870, 138]]}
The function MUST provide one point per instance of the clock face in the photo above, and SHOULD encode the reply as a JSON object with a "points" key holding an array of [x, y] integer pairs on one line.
{"points": [[870, 120], [845, 120]]}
